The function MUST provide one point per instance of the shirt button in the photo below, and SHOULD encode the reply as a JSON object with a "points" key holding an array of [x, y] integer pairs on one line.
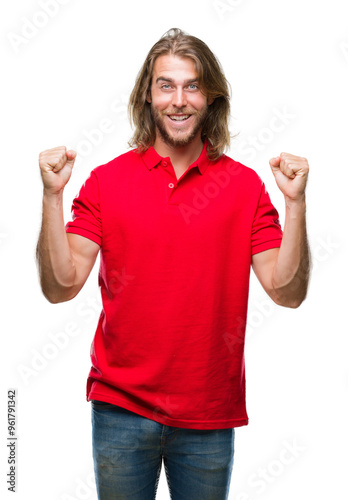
{"points": [[171, 185], [164, 163]]}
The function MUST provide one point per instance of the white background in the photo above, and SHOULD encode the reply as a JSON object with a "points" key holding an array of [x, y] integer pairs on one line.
{"points": [[59, 81]]}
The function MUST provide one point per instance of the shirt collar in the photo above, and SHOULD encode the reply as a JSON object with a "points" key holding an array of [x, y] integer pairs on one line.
{"points": [[151, 158]]}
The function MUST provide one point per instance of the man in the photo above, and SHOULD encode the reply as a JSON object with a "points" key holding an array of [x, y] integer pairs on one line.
{"points": [[178, 224]]}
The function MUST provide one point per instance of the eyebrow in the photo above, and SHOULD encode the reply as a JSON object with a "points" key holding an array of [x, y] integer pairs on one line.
{"points": [[162, 78]]}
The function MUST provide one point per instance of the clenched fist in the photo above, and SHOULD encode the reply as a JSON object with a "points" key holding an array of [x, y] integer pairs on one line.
{"points": [[291, 173], [56, 166]]}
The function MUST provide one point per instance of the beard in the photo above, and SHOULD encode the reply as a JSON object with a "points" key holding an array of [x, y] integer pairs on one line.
{"points": [[187, 137]]}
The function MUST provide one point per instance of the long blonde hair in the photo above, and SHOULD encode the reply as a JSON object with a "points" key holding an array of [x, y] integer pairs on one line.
{"points": [[211, 78]]}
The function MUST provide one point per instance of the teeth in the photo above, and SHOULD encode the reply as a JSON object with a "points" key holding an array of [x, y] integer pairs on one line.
{"points": [[179, 118]]}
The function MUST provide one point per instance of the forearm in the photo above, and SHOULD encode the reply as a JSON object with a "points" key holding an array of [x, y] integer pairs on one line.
{"points": [[292, 269], [56, 266]]}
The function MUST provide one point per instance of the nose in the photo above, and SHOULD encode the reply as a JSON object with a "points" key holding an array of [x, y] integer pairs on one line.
{"points": [[179, 99]]}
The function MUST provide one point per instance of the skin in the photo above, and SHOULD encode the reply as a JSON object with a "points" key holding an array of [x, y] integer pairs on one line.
{"points": [[175, 90], [284, 272], [65, 260]]}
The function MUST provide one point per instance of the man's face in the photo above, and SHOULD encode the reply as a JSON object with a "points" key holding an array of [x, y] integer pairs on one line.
{"points": [[178, 106]]}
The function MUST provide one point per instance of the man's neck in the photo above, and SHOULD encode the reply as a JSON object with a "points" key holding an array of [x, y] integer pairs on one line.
{"points": [[181, 157]]}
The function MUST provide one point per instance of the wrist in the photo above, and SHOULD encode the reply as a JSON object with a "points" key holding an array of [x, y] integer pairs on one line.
{"points": [[55, 197], [296, 209], [297, 204]]}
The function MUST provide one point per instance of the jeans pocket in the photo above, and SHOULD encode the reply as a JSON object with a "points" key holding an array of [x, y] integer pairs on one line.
{"points": [[101, 404]]}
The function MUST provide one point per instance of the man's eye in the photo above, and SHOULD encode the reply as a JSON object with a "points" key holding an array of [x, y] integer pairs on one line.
{"points": [[193, 86], [165, 86]]}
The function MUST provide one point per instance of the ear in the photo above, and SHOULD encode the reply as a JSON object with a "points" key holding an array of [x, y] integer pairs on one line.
{"points": [[211, 100], [148, 96]]}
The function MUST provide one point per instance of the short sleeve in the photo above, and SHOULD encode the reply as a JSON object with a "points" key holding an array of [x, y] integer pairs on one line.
{"points": [[85, 211], [266, 230]]}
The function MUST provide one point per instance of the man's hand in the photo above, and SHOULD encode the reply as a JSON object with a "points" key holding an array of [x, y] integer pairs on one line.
{"points": [[64, 260], [291, 173], [284, 272], [56, 166]]}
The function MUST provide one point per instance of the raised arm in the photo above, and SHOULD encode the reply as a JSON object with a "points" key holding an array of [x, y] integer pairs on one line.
{"points": [[284, 272], [64, 260]]}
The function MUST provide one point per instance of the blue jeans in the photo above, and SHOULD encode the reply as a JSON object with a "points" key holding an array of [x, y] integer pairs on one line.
{"points": [[128, 450]]}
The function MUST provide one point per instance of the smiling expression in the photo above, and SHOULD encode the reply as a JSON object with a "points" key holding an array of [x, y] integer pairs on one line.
{"points": [[179, 108]]}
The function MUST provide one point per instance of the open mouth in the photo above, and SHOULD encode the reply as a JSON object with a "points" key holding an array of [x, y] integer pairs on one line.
{"points": [[179, 118]]}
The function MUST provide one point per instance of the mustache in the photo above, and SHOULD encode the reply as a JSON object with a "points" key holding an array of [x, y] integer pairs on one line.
{"points": [[181, 112]]}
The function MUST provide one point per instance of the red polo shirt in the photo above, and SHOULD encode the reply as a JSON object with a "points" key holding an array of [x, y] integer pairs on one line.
{"points": [[174, 278]]}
